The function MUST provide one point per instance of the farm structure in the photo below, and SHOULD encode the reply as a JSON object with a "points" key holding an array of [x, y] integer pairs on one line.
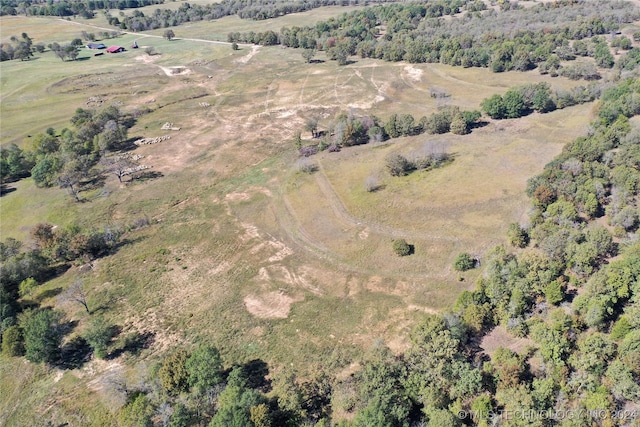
{"points": [[96, 46], [116, 49]]}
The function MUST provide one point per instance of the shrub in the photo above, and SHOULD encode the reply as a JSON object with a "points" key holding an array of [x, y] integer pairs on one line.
{"points": [[371, 184], [27, 286], [309, 150], [463, 262], [98, 335], [306, 166], [398, 165], [12, 344], [401, 247], [517, 236]]}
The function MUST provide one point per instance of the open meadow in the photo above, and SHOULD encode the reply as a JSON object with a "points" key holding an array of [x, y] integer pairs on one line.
{"points": [[243, 250]]}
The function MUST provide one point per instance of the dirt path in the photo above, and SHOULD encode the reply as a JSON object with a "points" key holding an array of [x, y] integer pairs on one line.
{"points": [[247, 57], [340, 211]]}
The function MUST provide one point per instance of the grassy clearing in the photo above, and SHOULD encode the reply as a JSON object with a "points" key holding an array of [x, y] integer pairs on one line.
{"points": [[231, 221]]}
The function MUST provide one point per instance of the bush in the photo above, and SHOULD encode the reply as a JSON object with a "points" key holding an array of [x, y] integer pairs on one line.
{"points": [[401, 247], [371, 184], [517, 236], [98, 335], [12, 344], [306, 166], [398, 165], [463, 262]]}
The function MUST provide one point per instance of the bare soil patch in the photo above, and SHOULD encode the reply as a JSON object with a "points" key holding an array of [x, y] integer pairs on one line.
{"points": [[500, 337], [272, 305]]}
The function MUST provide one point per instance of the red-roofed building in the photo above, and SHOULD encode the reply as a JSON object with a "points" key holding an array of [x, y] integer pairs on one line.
{"points": [[116, 49]]}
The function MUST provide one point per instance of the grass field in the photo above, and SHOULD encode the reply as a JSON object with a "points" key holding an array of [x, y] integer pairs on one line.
{"points": [[242, 250]]}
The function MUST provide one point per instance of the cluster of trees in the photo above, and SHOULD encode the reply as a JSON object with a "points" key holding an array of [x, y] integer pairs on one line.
{"points": [[23, 48], [67, 158], [428, 157], [347, 129], [20, 48], [23, 269], [67, 51], [62, 8], [527, 37], [257, 10], [520, 101]]}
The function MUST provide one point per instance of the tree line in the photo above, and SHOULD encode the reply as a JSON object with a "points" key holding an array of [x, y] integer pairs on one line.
{"points": [[522, 100], [513, 38], [348, 129], [85, 8], [256, 10]]}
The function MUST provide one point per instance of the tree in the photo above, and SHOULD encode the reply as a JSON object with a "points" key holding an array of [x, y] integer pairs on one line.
{"points": [[204, 368], [387, 403], [22, 51], [138, 411], [181, 416], [459, 125], [235, 402], [514, 105], [168, 34], [98, 335], [173, 372], [494, 107], [603, 56], [75, 293], [311, 125], [517, 235], [42, 335], [234, 46], [27, 286], [120, 166], [554, 292], [401, 247], [308, 55], [46, 169], [463, 262]]}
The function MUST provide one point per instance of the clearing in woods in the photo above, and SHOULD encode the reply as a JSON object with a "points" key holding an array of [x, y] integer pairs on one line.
{"points": [[244, 250]]}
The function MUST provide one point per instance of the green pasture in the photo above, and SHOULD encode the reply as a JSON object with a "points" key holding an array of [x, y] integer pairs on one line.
{"points": [[242, 251]]}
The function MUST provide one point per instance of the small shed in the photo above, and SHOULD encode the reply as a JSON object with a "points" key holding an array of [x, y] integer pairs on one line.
{"points": [[116, 49], [96, 46]]}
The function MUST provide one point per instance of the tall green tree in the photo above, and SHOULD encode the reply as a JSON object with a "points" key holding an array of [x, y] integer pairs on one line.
{"points": [[42, 335], [204, 368]]}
